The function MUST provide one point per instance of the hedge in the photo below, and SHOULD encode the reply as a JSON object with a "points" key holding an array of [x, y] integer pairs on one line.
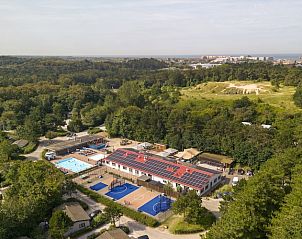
{"points": [[31, 147], [135, 215]]}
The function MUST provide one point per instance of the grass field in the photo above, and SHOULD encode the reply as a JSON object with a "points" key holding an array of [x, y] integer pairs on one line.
{"points": [[281, 98], [176, 225]]}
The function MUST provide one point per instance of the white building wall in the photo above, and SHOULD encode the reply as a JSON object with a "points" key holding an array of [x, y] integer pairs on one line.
{"points": [[212, 183], [77, 226]]}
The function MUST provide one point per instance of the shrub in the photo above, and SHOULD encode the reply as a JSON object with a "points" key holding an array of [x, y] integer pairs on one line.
{"points": [[125, 229], [111, 227], [31, 147], [94, 130], [99, 220], [135, 215], [54, 134], [182, 227], [94, 235]]}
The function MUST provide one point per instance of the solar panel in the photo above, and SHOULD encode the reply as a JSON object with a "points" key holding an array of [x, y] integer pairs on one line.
{"points": [[159, 167]]}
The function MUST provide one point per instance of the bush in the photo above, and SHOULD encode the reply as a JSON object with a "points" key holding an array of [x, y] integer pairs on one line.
{"points": [[125, 229], [99, 220], [53, 134], [135, 215], [94, 130], [111, 227], [94, 235], [31, 147], [182, 227], [43, 154]]}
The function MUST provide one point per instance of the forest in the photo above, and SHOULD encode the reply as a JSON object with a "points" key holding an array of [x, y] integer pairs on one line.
{"points": [[140, 99]]}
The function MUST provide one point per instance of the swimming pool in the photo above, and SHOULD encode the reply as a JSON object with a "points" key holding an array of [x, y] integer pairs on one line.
{"points": [[73, 164]]}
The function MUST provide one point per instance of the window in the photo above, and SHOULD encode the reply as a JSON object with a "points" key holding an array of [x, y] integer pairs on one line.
{"points": [[82, 225], [136, 172], [124, 167], [207, 186], [215, 180], [164, 181], [113, 164], [119, 166], [130, 170], [107, 162]]}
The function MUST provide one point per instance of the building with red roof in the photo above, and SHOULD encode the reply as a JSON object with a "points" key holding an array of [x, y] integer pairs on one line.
{"points": [[163, 170]]}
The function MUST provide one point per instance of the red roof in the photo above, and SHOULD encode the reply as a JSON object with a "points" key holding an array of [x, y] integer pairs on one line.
{"points": [[163, 168]]}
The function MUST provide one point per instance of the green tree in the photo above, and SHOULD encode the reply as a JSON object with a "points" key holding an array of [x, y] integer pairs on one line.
{"points": [[113, 213], [59, 224], [298, 96]]}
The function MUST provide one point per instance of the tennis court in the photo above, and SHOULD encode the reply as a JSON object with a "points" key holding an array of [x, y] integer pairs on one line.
{"points": [[121, 191], [98, 186], [156, 205]]}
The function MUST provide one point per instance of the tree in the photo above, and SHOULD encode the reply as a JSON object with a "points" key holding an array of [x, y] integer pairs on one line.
{"points": [[190, 205], [288, 222], [59, 224], [298, 96], [249, 214], [114, 213], [130, 93]]}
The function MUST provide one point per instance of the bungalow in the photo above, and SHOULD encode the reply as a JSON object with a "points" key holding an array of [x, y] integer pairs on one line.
{"points": [[114, 234], [77, 214]]}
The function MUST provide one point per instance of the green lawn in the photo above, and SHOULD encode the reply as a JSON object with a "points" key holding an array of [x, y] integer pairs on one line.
{"points": [[176, 225], [281, 98]]}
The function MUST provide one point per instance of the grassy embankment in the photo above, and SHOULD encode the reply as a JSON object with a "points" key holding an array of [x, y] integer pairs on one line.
{"points": [[281, 98]]}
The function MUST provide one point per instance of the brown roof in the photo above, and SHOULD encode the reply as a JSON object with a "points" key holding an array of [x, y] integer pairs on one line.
{"points": [[188, 153], [21, 143], [75, 211], [114, 234]]}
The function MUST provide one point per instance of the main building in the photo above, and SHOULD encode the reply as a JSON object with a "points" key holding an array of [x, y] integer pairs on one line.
{"points": [[163, 170]]}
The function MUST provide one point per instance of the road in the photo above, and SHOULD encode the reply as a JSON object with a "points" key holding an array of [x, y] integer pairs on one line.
{"points": [[136, 228]]}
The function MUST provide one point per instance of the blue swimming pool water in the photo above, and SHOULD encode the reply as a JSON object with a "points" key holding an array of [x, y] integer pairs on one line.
{"points": [[73, 164], [157, 205], [119, 192]]}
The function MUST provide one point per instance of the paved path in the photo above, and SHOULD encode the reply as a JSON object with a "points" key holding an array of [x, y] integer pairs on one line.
{"points": [[137, 229]]}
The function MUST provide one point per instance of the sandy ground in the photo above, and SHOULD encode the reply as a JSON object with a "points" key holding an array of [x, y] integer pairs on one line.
{"points": [[247, 89]]}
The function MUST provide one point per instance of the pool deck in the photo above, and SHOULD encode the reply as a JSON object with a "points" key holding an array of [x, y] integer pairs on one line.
{"points": [[80, 157]]}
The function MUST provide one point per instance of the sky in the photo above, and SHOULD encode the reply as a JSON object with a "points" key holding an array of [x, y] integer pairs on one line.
{"points": [[150, 27]]}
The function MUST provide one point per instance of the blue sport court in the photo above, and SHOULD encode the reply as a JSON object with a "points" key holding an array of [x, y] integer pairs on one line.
{"points": [[73, 164], [121, 191], [98, 186], [156, 205]]}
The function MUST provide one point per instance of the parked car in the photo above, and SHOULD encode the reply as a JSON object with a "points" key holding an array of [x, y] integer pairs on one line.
{"points": [[143, 237], [235, 181], [95, 213]]}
